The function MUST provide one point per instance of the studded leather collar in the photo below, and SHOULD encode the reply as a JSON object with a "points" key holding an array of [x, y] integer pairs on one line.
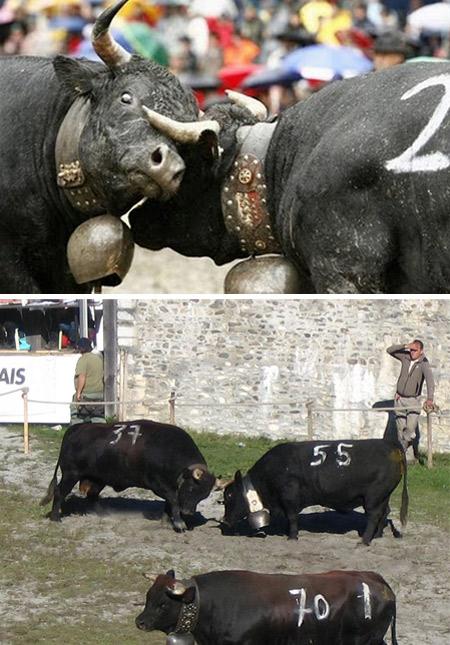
{"points": [[188, 616], [244, 192], [70, 176]]}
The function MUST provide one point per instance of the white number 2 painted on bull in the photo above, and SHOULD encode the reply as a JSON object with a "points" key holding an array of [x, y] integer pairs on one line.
{"points": [[410, 160]]}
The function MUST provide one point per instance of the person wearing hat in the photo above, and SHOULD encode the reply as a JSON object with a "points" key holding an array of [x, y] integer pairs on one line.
{"points": [[88, 385], [391, 48]]}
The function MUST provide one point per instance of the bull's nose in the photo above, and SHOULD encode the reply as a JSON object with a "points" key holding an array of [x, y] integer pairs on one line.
{"points": [[166, 167], [139, 623]]}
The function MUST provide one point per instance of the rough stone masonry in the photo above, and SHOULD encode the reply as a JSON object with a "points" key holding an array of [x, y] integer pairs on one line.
{"points": [[250, 366]]}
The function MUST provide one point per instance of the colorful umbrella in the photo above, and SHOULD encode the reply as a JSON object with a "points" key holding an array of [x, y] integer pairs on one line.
{"points": [[326, 62]]}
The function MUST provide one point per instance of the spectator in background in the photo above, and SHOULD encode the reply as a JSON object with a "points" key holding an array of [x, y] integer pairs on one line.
{"points": [[88, 386], [391, 48], [212, 62], [182, 59], [360, 18], [415, 370]]}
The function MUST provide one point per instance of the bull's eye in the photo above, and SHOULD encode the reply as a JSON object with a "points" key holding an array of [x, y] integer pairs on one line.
{"points": [[126, 98]]}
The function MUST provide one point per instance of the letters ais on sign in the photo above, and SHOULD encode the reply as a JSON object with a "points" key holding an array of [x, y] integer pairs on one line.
{"points": [[342, 456], [12, 376]]}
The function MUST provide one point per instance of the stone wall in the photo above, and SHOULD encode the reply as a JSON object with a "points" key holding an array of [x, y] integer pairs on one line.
{"points": [[250, 366]]}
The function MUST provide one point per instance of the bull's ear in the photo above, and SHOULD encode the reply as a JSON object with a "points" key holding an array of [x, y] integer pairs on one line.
{"points": [[170, 573], [209, 145], [76, 76]]}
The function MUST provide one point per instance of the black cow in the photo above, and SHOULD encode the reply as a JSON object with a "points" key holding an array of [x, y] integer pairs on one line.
{"points": [[246, 608], [145, 454], [337, 474], [357, 183], [76, 142]]}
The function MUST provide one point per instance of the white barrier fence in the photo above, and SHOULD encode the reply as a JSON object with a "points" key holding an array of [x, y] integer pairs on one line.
{"points": [[172, 402]]}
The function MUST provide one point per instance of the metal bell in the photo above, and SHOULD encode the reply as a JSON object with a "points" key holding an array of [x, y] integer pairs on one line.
{"points": [[259, 519], [180, 639], [100, 249], [263, 274]]}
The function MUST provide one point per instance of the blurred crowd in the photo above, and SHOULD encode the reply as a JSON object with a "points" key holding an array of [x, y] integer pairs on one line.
{"points": [[240, 44]]}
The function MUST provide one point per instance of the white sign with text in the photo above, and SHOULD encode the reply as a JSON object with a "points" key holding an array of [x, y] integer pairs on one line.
{"points": [[48, 377]]}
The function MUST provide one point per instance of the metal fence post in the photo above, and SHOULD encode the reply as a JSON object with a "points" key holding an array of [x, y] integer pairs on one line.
{"points": [[309, 408], [172, 407], [429, 441]]}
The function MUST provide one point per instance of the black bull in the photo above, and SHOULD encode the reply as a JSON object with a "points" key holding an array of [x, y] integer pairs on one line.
{"points": [[76, 142], [337, 474], [144, 454], [246, 608], [358, 187]]}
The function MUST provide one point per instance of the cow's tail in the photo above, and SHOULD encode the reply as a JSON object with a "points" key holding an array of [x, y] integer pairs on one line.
{"points": [[394, 640], [405, 497], [51, 488]]}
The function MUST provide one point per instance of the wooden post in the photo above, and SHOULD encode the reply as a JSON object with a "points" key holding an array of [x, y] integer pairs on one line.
{"points": [[110, 358], [172, 407], [429, 441], [26, 437], [309, 407]]}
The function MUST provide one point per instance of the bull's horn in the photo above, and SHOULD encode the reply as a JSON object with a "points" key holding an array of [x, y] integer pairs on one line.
{"points": [[178, 130], [178, 588], [257, 108], [111, 53], [220, 484], [198, 473]]}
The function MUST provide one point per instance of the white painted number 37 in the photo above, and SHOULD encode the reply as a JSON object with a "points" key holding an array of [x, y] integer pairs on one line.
{"points": [[133, 431]]}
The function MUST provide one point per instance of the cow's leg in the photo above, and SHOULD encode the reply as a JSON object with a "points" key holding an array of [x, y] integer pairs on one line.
{"points": [[374, 515], [382, 523], [64, 487], [173, 512], [291, 508]]}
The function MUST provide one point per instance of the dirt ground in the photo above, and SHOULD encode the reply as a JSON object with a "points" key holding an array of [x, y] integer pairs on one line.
{"points": [[169, 272], [126, 529]]}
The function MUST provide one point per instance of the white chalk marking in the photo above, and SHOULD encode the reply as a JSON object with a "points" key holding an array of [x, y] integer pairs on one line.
{"points": [[118, 431], [135, 434], [301, 603], [367, 605], [319, 452], [321, 607], [343, 458], [321, 615], [410, 160]]}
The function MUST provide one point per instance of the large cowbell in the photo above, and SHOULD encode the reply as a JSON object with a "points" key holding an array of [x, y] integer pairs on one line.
{"points": [[180, 639], [100, 249], [259, 519]]}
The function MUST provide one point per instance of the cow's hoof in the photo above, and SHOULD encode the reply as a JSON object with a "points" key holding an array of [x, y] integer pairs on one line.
{"points": [[397, 534], [55, 518], [364, 542], [293, 538]]}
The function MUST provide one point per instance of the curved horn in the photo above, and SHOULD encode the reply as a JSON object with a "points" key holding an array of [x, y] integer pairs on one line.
{"points": [[220, 484], [178, 588], [257, 108], [178, 130], [111, 53], [198, 473]]}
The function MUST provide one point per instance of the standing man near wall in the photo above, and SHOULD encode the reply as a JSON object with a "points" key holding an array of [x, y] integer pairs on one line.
{"points": [[414, 371], [88, 385]]}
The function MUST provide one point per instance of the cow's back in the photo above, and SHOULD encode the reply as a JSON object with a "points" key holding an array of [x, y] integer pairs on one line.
{"points": [[334, 473]]}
